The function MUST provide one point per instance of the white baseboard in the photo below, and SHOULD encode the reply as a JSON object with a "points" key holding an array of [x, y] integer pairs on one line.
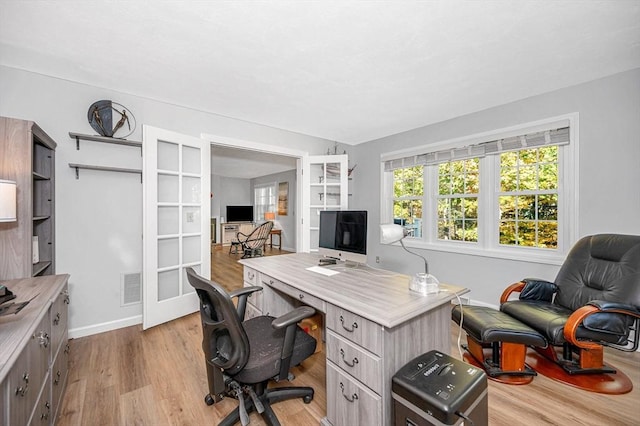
{"points": [[468, 301], [90, 330]]}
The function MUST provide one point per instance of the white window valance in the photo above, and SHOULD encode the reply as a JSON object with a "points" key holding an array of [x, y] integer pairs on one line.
{"points": [[559, 136]]}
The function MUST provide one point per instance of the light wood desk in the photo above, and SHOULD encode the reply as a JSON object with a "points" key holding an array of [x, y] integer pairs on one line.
{"points": [[373, 327]]}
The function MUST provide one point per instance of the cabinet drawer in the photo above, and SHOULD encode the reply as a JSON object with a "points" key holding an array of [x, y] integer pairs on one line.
{"points": [[359, 330], [354, 360], [59, 314], [59, 377], [349, 402], [301, 296], [42, 415], [28, 373], [250, 276]]}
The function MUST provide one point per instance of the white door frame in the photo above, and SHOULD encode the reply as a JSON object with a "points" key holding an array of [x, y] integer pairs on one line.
{"points": [[277, 150]]}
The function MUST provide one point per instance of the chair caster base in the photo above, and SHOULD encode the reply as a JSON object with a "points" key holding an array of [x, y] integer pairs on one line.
{"points": [[208, 399]]}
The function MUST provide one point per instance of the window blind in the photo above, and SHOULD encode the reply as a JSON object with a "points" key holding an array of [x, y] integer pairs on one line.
{"points": [[551, 137]]}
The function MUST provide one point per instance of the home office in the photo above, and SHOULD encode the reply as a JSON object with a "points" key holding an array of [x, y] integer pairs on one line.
{"points": [[99, 217]]}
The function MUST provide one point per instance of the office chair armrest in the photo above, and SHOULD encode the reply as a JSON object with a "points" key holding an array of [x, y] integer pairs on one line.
{"points": [[290, 320], [243, 294]]}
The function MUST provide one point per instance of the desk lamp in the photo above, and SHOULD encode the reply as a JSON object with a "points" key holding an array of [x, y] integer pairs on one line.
{"points": [[422, 282], [7, 201]]}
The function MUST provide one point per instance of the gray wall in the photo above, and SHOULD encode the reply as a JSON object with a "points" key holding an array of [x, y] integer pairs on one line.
{"points": [[99, 216], [286, 223], [609, 175]]}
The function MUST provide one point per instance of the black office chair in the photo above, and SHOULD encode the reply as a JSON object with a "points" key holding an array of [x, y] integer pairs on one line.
{"points": [[242, 356]]}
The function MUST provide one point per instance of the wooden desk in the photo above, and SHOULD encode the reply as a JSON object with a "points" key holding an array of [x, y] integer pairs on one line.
{"points": [[373, 327], [277, 232]]}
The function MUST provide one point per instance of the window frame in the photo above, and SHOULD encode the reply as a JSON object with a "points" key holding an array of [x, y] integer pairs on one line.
{"points": [[259, 216], [488, 239]]}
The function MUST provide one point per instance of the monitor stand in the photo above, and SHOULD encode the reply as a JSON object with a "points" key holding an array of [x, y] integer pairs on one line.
{"points": [[327, 261]]}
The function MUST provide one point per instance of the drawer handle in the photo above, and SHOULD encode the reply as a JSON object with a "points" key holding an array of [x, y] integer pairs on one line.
{"points": [[66, 297], [56, 320], [353, 326], [251, 276], [67, 349], [301, 296], [354, 362], [350, 399], [43, 338], [22, 391]]}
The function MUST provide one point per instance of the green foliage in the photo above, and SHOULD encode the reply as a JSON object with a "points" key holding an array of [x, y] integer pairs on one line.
{"points": [[529, 201]]}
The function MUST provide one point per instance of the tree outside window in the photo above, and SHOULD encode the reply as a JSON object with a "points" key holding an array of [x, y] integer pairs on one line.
{"points": [[528, 198], [408, 193], [458, 189]]}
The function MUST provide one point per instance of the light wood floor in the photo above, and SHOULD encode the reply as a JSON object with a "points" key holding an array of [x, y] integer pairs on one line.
{"points": [[157, 377]]}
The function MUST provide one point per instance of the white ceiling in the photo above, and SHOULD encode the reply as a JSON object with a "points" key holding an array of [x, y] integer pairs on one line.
{"points": [[347, 71], [244, 164]]}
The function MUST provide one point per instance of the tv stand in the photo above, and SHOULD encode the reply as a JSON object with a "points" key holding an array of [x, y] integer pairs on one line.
{"points": [[228, 231]]}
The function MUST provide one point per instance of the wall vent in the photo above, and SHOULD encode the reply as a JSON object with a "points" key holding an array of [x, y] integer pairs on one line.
{"points": [[130, 288]]}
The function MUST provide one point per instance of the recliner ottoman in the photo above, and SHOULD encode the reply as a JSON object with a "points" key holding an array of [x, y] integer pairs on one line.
{"points": [[507, 337]]}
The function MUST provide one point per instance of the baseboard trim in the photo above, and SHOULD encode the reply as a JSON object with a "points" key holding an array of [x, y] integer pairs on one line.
{"points": [[90, 330]]}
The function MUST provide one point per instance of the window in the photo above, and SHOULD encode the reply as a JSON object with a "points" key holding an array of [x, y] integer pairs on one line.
{"points": [[458, 186], [528, 198], [506, 194], [408, 189], [264, 199]]}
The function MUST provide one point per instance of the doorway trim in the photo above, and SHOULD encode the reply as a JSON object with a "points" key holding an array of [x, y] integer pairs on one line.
{"points": [[299, 155]]}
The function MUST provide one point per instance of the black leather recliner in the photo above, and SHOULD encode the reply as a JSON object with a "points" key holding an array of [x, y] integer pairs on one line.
{"points": [[593, 302], [243, 356]]}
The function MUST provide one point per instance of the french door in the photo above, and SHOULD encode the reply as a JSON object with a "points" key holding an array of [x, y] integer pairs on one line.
{"points": [[176, 224]]}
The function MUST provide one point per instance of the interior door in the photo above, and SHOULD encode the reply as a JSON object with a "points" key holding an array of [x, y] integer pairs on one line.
{"points": [[326, 187], [176, 226]]}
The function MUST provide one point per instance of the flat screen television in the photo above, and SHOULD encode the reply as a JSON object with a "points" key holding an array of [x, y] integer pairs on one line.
{"points": [[343, 235], [239, 214]]}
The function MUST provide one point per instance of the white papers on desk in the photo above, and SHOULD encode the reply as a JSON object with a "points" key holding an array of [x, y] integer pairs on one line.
{"points": [[323, 271]]}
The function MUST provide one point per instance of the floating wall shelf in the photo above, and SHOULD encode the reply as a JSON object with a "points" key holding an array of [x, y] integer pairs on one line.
{"points": [[103, 139], [103, 168]]}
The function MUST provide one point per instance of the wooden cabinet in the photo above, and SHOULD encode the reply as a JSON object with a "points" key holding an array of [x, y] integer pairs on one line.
{"points": [[34, 352], [230, 230], [27, 156]]}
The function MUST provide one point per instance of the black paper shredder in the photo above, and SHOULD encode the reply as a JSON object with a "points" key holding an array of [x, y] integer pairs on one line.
{"points": [[436, 389]]}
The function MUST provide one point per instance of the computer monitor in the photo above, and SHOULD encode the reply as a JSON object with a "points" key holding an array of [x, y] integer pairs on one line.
{"points": [[343, 235]]}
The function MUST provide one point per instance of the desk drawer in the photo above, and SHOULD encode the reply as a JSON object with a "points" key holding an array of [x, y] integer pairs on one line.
{"points": [[354, 360], [250, 276], [299, 295], [255, 298], [350, 403], [359, 330]]}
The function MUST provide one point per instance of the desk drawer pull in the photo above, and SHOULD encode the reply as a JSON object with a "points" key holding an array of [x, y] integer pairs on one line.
{"points": [[301, 296], [350, 399], [353, 326], [354, 362]]}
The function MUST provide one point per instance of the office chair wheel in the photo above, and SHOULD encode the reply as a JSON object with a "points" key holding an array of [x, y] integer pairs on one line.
{"points": [[307, 399], [208, 399]]}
